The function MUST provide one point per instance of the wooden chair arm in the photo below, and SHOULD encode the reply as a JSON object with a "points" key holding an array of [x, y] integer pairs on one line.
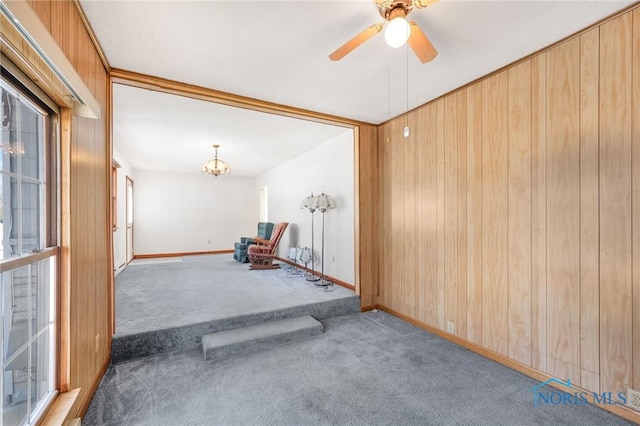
{"points": [[261, 241]]}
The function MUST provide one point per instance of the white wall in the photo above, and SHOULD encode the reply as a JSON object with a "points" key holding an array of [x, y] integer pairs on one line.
{"points": [[328, 167], [120, 234], [189, 212]]}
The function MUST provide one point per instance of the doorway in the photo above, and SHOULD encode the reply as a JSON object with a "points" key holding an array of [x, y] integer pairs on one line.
{"points": [[129, 214]]}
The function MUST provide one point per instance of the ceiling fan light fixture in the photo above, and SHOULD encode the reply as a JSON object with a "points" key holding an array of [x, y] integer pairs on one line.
{"points": [[397, 32]]}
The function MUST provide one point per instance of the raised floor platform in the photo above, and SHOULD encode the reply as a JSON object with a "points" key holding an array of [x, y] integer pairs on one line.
{"points": [[168, 305]]}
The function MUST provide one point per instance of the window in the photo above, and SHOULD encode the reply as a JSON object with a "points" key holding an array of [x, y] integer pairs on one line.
{"points": [[28, 256]]}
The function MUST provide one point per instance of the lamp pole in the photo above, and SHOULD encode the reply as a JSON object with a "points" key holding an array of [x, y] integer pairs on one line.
{"points": [[312, 277], [323, 202], [309, 203], [323, 279]]}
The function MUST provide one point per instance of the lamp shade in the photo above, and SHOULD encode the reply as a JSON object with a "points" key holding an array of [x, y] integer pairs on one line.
{"points": [[307, 203], [323, 202], [397, 32]]}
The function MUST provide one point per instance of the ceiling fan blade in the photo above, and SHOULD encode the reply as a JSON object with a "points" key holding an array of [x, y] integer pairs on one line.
{"points": [[421, 44], [346, 48], [420, 4]]}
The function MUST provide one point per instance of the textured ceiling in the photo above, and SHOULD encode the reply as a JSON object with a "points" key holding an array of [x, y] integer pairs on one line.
{"points": [[278, 51]]}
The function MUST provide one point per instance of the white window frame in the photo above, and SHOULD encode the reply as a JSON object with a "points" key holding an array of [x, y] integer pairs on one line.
{"points": [[41, 266]]}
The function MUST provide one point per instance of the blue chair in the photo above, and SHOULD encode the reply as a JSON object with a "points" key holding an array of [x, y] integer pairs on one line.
{"points": [[240, 249]]}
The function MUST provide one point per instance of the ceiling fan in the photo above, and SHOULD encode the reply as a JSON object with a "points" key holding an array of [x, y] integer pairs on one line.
{"points": [[399, 31]]}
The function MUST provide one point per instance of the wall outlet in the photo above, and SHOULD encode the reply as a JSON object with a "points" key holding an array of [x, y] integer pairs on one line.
{"points": [[633, 399], [97, 342], [451, 327]]}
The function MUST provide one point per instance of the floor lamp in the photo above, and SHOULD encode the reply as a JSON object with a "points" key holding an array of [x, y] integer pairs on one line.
{"points": [[307, 203], [323, 202]]}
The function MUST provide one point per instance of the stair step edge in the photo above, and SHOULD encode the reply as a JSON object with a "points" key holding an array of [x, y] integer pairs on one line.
{"points": [[258, 337]]}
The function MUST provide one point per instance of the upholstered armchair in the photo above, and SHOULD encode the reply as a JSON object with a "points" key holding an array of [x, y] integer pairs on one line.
{"points": [[240, 249]]}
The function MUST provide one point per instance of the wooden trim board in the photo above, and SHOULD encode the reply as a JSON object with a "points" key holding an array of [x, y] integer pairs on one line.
{"points": [[150, 82], [61, 408], [187, 253], [318, 274], [94, 387], [92, 35]]}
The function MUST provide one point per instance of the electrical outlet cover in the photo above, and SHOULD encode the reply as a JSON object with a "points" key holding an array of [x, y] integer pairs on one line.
{"points": [[633, 399], [451, 327]]}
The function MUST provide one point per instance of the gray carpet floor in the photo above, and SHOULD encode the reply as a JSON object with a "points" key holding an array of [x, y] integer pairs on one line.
{"points": [[159, 295], [366, 369]]}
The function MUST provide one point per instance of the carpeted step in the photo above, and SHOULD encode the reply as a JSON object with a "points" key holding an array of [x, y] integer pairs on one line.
{"points": [[255, 338], [140, 345]]}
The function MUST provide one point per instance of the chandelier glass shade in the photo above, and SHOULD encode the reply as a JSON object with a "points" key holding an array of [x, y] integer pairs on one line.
{"points": [[215, 166], [16, 148]]}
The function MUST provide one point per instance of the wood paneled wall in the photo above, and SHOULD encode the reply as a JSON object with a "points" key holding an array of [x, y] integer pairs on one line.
{"points": [[86, 169], [366, 187], [513, 210]]}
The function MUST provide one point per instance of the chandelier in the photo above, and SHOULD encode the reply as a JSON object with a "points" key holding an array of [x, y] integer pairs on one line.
{"points": [[216, 167]]}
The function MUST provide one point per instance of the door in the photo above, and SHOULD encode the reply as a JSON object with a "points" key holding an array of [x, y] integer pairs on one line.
{"points": [[129, 219]]}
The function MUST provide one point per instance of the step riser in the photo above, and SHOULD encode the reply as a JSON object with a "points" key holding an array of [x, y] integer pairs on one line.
{"points": [[259, 345], [126, 348]]}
